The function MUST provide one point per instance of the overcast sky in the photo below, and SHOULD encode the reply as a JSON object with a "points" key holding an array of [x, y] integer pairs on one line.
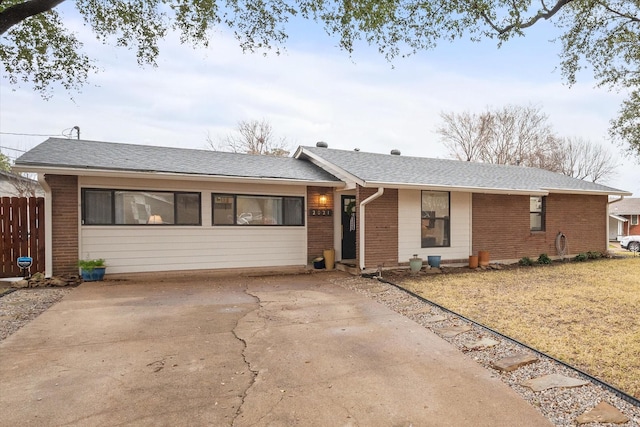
{"points": [[312, 92]]}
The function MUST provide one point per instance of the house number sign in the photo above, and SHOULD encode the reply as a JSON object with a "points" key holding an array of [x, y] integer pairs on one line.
{"points": [[321, 212]]}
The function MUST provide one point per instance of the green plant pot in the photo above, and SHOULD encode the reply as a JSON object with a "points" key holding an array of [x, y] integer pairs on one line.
{"points": [[415, 264]]}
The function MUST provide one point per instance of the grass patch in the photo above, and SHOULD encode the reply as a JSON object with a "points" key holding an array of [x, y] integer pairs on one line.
{"points": [[585, 314]]}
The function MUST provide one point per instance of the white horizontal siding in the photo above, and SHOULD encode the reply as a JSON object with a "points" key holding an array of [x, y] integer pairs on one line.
{"points": [[409, 221], [137, 249], [128, 249]]}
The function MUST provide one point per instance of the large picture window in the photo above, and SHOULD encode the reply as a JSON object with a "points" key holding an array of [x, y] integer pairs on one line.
{"points": [[435, 227], [536, 212], [126, 207], [238, 209]]}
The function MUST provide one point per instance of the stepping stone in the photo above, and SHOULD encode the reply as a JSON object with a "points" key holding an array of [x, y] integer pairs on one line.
{"points": [[406, 303], [434, 318], [452, 331], [553, 381], [602, 413], [423, 310], [512, 363], [483, 343]]}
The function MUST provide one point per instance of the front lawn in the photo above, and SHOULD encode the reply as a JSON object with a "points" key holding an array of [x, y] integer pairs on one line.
{"points": [[586, 314]]}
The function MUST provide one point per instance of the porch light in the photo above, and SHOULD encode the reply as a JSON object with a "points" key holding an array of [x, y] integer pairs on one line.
{"points": [[323, 200]]}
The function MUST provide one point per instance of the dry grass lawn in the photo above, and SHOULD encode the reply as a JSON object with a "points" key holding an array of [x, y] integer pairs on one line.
{"points": [[586, 314]]}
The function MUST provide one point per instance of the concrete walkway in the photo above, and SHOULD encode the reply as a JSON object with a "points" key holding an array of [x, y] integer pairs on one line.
{"points": [[277, 351]]}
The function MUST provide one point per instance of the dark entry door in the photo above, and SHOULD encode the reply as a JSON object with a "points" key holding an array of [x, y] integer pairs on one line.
{"points": [[349, 227]]}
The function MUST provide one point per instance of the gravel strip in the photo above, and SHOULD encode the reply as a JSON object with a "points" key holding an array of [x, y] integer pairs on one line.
{"points": [[561, 406], [23, 305]]}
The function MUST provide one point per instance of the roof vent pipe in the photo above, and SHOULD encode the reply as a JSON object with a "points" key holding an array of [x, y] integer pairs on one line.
{"points": [[395, 152], [322, 144]]}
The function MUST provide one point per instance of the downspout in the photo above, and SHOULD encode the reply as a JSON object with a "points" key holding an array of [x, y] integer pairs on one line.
{"points": [[48, 225], [363, 203], [608, 213]]}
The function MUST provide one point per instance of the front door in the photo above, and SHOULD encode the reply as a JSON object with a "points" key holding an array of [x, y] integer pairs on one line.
{"points": [[348, 227]]}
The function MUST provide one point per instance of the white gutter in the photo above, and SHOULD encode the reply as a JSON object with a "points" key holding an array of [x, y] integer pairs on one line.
{"points": [[616, 200], [48, 232], [115, 173], [363, 203]]}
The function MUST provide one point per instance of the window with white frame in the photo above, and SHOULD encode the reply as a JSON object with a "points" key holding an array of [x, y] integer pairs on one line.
{"points": [[435, 222], [537, 213], [136, 207], [634, 219]]}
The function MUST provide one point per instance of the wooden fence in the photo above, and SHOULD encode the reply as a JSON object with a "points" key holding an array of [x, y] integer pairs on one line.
{"points": [[22, 233]]}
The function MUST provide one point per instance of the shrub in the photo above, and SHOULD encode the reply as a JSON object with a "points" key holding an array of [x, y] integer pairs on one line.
{"points": [[89, 264], [581, 257], [544, 259], [594, 254], [526, 261]]}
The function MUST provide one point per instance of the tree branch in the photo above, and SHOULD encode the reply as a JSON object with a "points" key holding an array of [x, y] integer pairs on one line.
{"points": [[21, 11], [548, 13], [620, 14]]}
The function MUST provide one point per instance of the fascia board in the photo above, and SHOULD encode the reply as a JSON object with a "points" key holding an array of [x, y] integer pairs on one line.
{"points": [[466, 189], [172, 176], [618, 217], [540, 192], [334, 170], [614, 192]]}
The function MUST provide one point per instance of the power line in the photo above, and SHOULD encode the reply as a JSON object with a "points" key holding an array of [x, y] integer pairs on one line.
{"points": [[14, 149], [26, 134]]}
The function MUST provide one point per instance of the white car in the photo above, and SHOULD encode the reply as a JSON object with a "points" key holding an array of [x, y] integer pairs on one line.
{"points": [[631, 243]]}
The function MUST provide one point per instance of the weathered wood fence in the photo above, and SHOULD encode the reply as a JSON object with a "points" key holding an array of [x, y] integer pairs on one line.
{"points": [[22, 233]]}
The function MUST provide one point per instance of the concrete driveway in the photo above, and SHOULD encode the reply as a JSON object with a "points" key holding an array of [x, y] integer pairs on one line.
{"points": [[276, 351]]}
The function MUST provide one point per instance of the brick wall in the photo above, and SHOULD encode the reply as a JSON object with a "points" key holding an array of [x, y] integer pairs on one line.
{"points": [[633, 230], [501, 225], [64, 230], [381, 228], [319, 228]]}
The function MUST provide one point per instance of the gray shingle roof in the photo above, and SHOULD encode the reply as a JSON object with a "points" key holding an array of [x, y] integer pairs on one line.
{"points": [[626, 207], [373, 168], [88, 155]]}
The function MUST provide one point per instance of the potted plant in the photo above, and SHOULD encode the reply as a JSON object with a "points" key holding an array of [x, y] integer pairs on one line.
{"points": [[92, 269]]}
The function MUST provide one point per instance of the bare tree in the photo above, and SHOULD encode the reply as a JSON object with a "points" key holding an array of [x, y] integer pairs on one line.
{"points": [[584, 159], [465, 134], [510, 135], [523, 136], [519, 135], [23, 185], [252, 137]]}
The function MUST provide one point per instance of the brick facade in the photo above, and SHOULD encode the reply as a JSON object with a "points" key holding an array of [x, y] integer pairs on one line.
{"points": [[320, 227], [64, 230], [631, 230], [381, 228], [501, 225]]}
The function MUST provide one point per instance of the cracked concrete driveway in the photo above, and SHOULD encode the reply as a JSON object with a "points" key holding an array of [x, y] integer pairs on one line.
{"points": [[277, 351]]}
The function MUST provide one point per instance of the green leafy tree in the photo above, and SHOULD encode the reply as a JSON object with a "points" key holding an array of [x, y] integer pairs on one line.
{"points": [[602, 35], [5, 165]]}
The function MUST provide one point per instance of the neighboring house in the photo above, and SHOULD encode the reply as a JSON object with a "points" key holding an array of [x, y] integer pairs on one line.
{"points": [[626, 214], [13, 185], [146, 208]]}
